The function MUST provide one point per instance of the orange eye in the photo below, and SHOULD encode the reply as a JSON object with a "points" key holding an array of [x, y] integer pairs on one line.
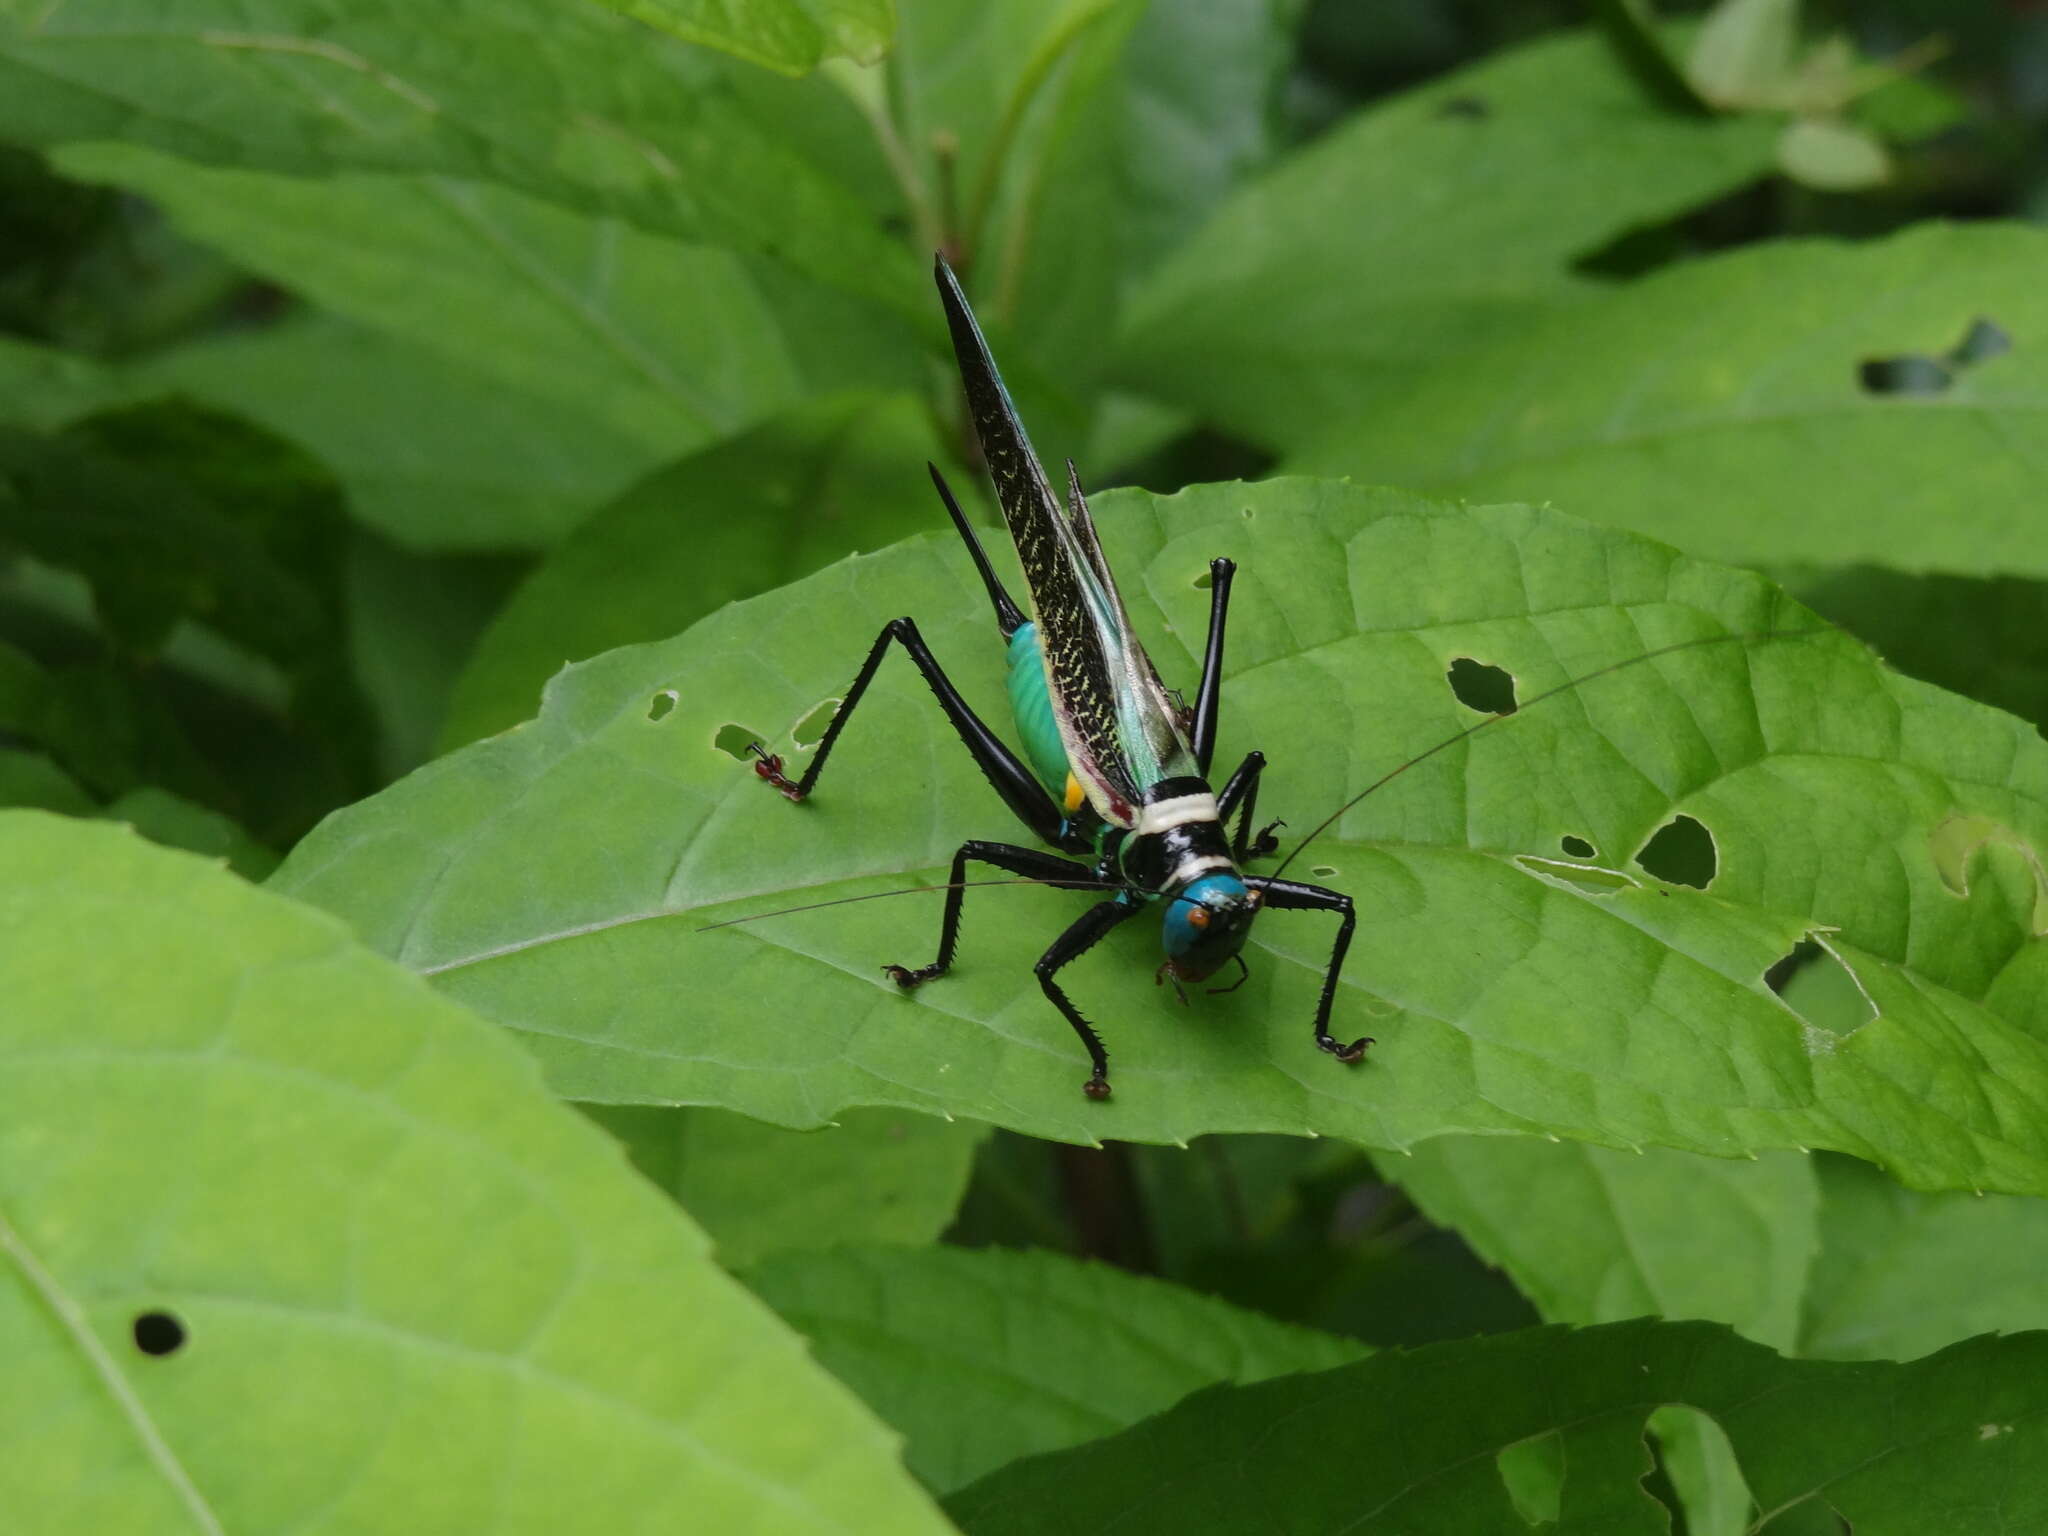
{"points": [[1198, 916]]}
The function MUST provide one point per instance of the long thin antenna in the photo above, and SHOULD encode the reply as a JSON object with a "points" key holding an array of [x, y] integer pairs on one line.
{"points": [[1626, 662], [913, 890]]}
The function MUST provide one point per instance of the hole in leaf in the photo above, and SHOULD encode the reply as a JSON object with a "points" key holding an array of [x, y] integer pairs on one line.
{"points": [[1578, 848], [1681, 852], [1532, 1471], [1204, 582], [1816, 985], [1472, 107], [1325, 871], [1247, 514], [734, 740], [659, 706], [1484, 689], [1592, 880], [158, 1333], [810, 730], [1915, 373]]}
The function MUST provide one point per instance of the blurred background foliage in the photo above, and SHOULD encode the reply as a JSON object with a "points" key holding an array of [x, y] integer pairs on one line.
{"points": [[332, 426]]}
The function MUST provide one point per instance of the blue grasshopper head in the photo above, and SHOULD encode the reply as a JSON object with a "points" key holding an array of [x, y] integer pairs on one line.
{"points": [[1206, 925]]}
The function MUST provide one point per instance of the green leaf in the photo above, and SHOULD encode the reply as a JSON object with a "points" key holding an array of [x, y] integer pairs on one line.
{"points": [[363, 1213], [980, 1356], [1628, 1234], [32, 780], [772, 505], [564, 102], [666, 343], [1723, 403], [878, 1176], [1417, 231], [1902, 1273], [1742, 55], [1409, 1442], [789, 35], [1833, 156], [501, 469], [1204, 99], [556, 877]]}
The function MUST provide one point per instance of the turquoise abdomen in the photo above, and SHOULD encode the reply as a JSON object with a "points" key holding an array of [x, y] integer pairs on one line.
{"points": [[1032, 707]]}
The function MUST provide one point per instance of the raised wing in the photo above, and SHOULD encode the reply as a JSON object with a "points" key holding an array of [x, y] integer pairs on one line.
{"points": [[1121, 731]]}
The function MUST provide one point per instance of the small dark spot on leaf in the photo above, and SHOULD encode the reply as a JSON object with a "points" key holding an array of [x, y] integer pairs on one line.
{"points": [[1248, 514], [1578, 848], [158, 1333], [1204, 582], [1915, 373], [734, 740], [810, 730], [659, 706], [1681, 852], [1485, 689], [1473, 107], [1325, 871]]}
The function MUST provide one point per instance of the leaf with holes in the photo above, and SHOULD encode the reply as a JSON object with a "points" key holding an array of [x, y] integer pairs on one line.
{"points": [[1795, 402], [243, 1161], [1544, 1429], [981, 1356], [558, 878], [772, 505], [1421, 229], [876, 1176]]}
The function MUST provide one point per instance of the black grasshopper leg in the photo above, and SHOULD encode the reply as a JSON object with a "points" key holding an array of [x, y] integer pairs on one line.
{"points": [[1243, 787], [1029, 862], [1071, 945], [1091, 926], [1292, 896], [1021, 792], [1208, 695]]}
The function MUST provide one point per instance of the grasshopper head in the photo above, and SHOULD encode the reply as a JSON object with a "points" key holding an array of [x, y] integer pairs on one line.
{"points": [[1207, 921]]}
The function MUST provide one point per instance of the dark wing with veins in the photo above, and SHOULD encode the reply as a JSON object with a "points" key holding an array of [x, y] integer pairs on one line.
{"points": [[1121, 731]]}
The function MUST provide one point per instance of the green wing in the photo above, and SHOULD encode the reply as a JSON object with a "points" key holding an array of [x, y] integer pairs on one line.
{"points": [[1121, 730]]}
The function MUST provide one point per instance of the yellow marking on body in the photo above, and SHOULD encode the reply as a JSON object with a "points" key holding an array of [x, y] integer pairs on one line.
{"points": [[1076, 796]]}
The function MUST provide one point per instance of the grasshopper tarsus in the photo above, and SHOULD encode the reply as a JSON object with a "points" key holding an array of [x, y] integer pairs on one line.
{"points": [[769, 766], [1347, 1054], [1096, 1088], [908, 979]]}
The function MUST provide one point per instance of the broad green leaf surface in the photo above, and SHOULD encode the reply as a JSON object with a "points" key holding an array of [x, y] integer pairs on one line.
{"points": [[665, 342], [499, 469], [1407, 1442], [1720, 404], [1628, 1234], [1417, 231], [789, 35], [878, 1176], [412, 1288], [565, 102], [979, 1356], [557, 878], [1204, 98], [1901, 1273], [774, 504]]}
